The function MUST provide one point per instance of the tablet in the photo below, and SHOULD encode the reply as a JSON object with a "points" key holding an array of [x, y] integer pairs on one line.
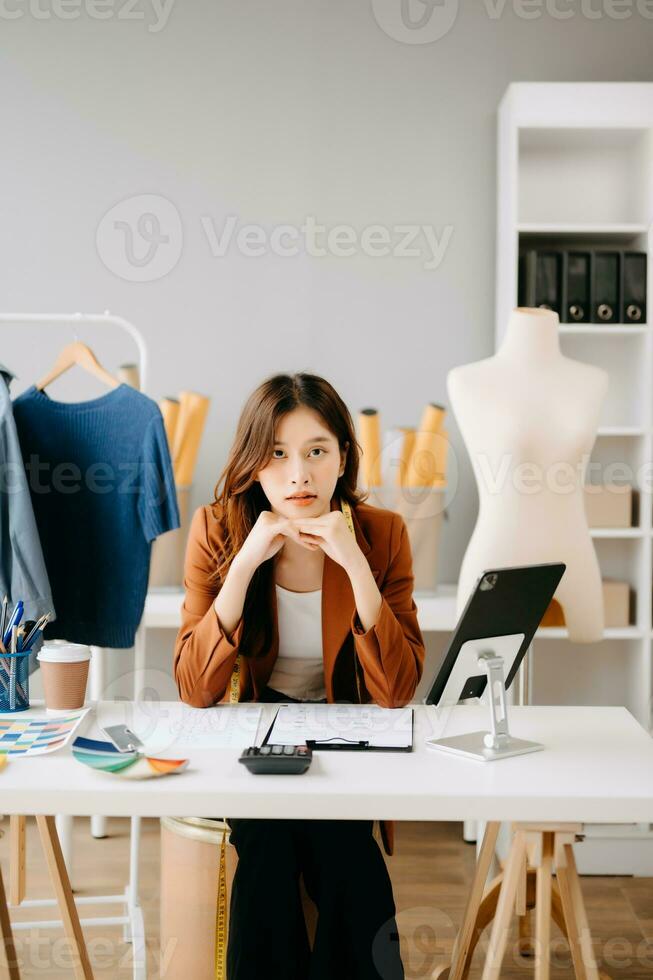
{"points": [[502, 614]]}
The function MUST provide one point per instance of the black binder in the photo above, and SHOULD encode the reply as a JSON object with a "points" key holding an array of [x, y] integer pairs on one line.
{"points": [[606, 283], [540, 279], [577, 284], [634, 287]]}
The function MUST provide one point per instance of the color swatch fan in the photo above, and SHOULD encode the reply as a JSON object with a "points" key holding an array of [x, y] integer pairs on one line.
{"points": [[105, 757]]}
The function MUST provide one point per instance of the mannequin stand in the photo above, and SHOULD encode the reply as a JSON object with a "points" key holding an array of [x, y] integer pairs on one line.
{"points": [[526, 883]]}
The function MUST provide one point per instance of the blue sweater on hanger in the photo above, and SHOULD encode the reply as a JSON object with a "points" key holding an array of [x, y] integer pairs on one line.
{"points": [[102, 489]]}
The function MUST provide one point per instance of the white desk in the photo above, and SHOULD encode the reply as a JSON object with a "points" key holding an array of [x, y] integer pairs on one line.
{"points": [[597, 767]]}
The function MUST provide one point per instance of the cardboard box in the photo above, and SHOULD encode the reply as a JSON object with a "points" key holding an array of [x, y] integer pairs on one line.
{"points": [[609, 505], [616, 606], [616, 603]]}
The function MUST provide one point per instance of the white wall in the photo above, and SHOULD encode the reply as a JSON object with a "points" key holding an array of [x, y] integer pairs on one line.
{"points": [[272, 112]]}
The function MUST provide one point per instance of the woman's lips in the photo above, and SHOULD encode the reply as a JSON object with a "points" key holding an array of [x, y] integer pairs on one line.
{"points": [[302, 501]]}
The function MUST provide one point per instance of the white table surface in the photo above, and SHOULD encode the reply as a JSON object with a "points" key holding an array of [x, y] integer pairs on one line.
{"points": [[597, 767]]}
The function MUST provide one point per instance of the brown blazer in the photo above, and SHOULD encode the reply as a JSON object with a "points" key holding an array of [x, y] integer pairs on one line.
{"points": [[390, 654]]}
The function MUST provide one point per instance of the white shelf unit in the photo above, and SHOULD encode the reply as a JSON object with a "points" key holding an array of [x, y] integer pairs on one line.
{"points": [[575, 167]]}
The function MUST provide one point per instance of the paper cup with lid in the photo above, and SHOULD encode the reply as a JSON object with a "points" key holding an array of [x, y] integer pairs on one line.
{"points": [[64, 668]]}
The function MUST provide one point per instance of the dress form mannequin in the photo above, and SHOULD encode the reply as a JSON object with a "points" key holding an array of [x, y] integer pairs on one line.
{"points": [[528, 416]]}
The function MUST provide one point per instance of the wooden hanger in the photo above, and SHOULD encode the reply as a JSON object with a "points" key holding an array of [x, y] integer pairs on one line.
{"points": [[78, 353]]}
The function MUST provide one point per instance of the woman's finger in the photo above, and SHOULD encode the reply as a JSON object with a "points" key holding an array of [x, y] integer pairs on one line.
{"points": [[289, 531]]}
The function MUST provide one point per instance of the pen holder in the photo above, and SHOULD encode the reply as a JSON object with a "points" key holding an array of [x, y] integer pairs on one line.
{"points": [[14, 681]]}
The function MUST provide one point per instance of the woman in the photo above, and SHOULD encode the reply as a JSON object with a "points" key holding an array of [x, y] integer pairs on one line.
{"points": [[286, 600]]}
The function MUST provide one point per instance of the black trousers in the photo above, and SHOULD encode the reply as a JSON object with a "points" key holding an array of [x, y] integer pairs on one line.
{"points": [[345, 875]]}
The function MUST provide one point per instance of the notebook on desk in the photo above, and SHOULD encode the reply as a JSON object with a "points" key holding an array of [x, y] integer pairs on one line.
{"points": [[348, 727]]}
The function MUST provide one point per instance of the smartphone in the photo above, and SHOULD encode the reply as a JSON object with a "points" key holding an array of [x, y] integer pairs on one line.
{"points": [[123, 738]]}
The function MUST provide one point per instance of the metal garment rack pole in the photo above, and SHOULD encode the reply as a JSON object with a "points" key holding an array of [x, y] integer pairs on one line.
{"points": [[132, 918]]}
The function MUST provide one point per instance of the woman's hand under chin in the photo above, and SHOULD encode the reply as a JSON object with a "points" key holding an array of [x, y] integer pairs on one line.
{"points": [[331, 533]]}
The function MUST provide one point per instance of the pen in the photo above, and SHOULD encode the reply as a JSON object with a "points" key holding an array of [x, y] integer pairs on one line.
{"points": [[39, 625], [27, 626], [14, 620], [4, 617]]}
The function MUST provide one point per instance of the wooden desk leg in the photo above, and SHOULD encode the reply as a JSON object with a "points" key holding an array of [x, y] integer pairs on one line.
{"points": [[543, 887], [464, 946], [578, 933], [11, 955], [501, 924], [522, 912], [547, 845], [17, 858], [525, 938], [520, 897], [61, 883]]}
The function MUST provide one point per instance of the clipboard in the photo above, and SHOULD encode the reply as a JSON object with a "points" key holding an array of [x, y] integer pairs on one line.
{"points": [[350, 745]]}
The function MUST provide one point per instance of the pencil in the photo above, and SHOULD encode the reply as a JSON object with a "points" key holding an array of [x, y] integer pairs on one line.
{"points": [[4, 617], [3, 665]]}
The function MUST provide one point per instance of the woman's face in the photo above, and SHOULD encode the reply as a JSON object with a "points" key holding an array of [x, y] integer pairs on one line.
{"points": [[306, 459]]}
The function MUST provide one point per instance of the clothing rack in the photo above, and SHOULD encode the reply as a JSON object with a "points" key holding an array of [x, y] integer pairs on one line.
{"points": [[132, 916]]}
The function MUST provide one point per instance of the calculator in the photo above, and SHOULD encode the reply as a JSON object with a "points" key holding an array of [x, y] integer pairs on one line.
{"points": [[283, 759]]}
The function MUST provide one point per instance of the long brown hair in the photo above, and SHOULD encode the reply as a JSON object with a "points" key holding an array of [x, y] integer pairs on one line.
{"points": [[242, 498]]}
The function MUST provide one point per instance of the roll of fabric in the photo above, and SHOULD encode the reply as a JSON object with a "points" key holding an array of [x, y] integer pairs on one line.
{"points": [[170, 412], [193, 409], [422, 470], [370, 438]]}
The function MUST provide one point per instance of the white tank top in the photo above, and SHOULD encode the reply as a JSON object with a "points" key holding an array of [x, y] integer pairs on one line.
{"points": [[299, 668]]}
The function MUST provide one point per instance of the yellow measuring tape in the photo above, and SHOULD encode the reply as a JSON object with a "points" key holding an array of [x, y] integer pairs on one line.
{"points": [[221, 911], [221, 914]]}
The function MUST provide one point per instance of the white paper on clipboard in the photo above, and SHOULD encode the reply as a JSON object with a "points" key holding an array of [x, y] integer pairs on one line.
{"points": [[390, 728]]}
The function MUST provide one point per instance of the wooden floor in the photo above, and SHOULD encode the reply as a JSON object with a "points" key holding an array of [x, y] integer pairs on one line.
{"points": [[431, 871]]}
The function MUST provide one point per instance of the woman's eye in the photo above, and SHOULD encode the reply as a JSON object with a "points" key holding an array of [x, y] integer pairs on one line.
{"points": [[315, 449]]}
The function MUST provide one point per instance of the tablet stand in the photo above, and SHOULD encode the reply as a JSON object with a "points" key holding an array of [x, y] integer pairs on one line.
{"points": [[499, 743]]}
